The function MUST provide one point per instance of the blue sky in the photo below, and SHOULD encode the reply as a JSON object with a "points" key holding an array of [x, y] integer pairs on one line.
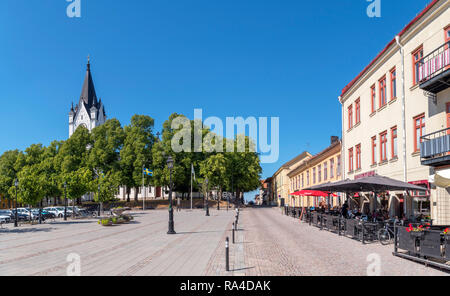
{"points": [[288, 59]]}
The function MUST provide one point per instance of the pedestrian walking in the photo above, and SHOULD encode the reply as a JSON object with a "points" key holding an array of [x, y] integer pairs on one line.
{"points": [[178, 204]]}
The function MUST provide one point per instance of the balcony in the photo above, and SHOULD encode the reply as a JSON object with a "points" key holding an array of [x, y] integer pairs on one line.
{"points": [[434, 70], [435, 148]]}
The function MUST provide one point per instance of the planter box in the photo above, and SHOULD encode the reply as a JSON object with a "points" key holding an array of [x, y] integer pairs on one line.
{"points": [[406, 241], [417, 234], [447, 246], [430, 244]]}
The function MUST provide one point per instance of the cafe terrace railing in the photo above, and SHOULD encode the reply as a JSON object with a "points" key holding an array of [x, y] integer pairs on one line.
{"points": [[357, 229], [431, 247], [418, 246]]}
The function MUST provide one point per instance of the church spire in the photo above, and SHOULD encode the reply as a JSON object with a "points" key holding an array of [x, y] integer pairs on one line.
{"points": [[88, 95]]}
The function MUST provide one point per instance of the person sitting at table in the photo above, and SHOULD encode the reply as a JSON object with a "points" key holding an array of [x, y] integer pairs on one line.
{"points": [[344, 210]]}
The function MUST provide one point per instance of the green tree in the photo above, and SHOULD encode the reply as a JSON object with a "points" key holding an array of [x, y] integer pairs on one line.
{"points": [[107, 141], [8, 172], [136, 152], [183, 161], [215, 169]]}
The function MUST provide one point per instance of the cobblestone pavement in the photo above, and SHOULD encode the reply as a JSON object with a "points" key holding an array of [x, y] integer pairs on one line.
{"points": [[139, 248], [267, 243], [275, 244]]}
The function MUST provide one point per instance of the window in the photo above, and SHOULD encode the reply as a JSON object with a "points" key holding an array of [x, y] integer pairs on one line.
{"points": [[303, 183], [382, 88], [394, 146], [358, 156], [350, 160], [383, 146], [350, 116], [373, 96], [419, 131], [374, 150], [358, 111], [307, 178], [393, 84], [314, 175], [319, 176], [338, 169], [332, 168], [325, 171], [417, 57]]}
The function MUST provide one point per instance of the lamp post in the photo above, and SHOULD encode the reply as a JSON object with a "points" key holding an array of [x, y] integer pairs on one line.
{"points": [[207, 197], [16, 184], [65, 201], [218, 201], [171, 223]]}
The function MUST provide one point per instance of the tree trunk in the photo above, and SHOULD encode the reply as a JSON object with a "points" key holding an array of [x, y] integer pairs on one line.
{"points": [[136, 194], [128, 194]]}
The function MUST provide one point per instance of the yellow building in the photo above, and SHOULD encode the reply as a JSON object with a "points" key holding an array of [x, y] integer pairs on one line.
{"points": [[322, 168], [280, 180], [3, 202]]}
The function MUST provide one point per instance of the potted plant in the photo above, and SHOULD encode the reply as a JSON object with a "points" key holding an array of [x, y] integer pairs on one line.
{"points": [[105, 222], [417, 232]]}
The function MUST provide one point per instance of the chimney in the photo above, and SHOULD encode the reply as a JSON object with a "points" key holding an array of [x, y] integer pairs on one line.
{"points": [[334, 139]]}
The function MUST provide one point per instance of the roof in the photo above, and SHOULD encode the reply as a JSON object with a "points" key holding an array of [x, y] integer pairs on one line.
{"points": [[296, 159], [316, 157], [292, 161], [88, 95], [349, 86]]}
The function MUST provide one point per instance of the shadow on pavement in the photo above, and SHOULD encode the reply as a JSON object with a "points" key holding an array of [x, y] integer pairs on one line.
{"points": [[26, 230]]}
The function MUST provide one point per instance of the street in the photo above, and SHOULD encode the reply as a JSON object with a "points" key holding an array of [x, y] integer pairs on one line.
{"points": [[267, 244]]}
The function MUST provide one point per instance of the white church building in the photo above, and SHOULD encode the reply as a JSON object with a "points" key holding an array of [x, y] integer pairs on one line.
{"points": [[90, 113]]}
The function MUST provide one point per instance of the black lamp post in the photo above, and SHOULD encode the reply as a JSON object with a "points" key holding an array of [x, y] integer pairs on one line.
{"points": [[218, 201], [171, 223], [65, 201], [207, 197], [16, 184]]}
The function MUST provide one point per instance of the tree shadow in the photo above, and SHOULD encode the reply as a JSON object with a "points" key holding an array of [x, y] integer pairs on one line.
{"points": [[25, 230], [196, 232]]}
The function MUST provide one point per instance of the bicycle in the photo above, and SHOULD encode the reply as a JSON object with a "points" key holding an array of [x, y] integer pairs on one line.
{"points": [[386, 234]]}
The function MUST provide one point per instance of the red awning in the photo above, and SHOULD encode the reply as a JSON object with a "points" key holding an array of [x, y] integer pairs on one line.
{"points": [[311, 193]]}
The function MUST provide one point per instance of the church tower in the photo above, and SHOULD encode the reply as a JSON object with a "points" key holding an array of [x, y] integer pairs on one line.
{"points": [[89, 112]]}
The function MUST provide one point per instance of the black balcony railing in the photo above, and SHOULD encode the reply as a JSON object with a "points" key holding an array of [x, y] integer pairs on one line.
{"points": [[435, 148], [434, 69]]}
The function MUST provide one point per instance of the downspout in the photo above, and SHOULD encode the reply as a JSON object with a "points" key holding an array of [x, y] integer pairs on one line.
{"points": [[342, 145], [405, 177]]}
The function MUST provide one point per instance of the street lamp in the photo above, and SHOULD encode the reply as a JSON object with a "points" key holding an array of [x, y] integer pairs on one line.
{"points": [[207, 195], [16, 184], [171, 223], [65, 201]]}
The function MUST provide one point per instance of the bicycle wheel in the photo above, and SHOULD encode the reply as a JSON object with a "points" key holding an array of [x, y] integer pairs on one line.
{"points": [[384, 236]]}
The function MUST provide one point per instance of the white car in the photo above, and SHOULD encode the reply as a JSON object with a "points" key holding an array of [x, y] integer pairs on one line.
{"points": [[57, 211], [5, 219], [26, 212]]}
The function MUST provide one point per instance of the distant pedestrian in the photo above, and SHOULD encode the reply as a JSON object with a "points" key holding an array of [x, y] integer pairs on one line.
{"points": [[178, 204]]}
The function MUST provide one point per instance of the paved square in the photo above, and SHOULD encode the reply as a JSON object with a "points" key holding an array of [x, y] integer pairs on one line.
{"points": [[267, 244], [139, 248]]}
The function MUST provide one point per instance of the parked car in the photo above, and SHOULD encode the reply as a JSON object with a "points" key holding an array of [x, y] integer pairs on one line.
{"points": [[20, 216], [26, 211], [7, 213], [5, 217], [57, 211]]}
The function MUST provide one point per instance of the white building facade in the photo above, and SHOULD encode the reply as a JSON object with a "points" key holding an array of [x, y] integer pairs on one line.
{"points": [[388, 111]]}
